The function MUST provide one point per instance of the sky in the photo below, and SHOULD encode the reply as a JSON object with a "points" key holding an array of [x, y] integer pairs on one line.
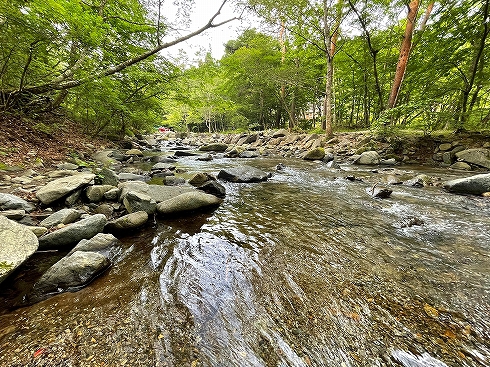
{"points": [[212, 39]]}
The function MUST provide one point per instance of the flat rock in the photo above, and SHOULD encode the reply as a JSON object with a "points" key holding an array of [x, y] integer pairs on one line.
{"points": [[156, 192], [476, 185], [127, 222], [135, 201], [96, 193], [214, 147], [123, 176], [73, 233], [188, 201], [61, 187], [71, 273], [65, 216], [17, 244], [14, 214], [12, 202], [243, 174]]}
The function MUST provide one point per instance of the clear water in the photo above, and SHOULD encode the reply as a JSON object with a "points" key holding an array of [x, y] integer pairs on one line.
{"points": [[303, 270]]}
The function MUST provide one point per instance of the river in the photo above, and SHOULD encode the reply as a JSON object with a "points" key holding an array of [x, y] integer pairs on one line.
{"points": [[305, 269]]}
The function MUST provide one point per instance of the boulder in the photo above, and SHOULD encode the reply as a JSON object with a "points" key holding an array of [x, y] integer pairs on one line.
{"points": [[105, 209], [316, 154], [136, 152], [14, 214], [215, 147], [280, 133], [445, 146], [419, 181], [73, 233], [17, 244], [476, 185], [96, 193], [174, 181], [243, 174], [479, 157], [156, 192], [9, 201], [461, 166], [136, 201], [112, 194], [127, 222], [71, 273], [61, 187], [65, 216], [103, 243], [379, 192], [200, 178], [188, 201], [109, 177], [370, 157], [249, 154], [213, 187]]}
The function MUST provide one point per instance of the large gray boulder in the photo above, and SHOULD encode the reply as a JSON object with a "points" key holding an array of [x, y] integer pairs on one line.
{"points": [[370, 157], [64, 216], [127, 222], [479, 157], [71, 273], [102, 243], [243, 174], [73, 233], [12, 202], [136, 201], [17, 244], [156, 192], [61, 187], [214, 147], [476, 185], [188, 201]]}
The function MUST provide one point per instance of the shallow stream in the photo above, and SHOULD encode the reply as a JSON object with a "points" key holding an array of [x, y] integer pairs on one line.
{"points": [[305, 269]]}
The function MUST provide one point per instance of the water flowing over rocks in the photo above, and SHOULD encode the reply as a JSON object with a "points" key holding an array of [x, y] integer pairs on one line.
{"points": [[61, 187], [17, 244]]}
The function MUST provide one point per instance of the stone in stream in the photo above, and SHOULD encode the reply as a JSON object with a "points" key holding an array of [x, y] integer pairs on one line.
{"points": [[17, 244], [213, 187], [64, 186], [73, 233], [9, 201], [65, 216], [127, 222], [214, 147], [156, 192], [243, 174], [70, 273], [137, 201], [103, 243], [96, 193], [188, 201], [370, 157], [123, 176], [476, 185], [109, 177], [200, 178], [316, 154], [379, 192]]}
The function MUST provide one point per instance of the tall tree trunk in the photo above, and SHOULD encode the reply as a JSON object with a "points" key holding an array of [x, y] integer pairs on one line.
{"points": [[470, 81], [401, 66]]}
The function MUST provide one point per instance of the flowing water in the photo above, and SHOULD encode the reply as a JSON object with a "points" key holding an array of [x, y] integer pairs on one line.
{"points": [[305, 269]]}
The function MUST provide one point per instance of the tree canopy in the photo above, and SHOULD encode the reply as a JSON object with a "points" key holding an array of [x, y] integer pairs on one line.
{"points": [[343, 64]]}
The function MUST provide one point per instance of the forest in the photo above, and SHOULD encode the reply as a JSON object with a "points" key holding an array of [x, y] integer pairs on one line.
{"points": [[310, 65]]}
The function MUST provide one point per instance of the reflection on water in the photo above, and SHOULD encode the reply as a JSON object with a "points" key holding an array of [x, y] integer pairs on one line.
{"points": [[303, 270]]}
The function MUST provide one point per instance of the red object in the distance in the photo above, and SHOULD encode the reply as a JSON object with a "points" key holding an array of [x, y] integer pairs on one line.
{"points": [[38, 352], [163, 129]]}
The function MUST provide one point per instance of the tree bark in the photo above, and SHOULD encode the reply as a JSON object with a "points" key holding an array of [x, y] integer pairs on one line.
{"points": [[401, 67]]}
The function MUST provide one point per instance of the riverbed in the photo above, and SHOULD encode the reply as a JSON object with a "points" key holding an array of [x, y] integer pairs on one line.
{"points": [[306, 269]]}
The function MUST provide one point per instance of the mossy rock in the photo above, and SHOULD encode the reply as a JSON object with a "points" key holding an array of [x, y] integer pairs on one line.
{"points": [[315, 154]]}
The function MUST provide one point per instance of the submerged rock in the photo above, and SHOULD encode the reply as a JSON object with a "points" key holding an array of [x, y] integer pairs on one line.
{"points": [[70, 273], [243, 174], [476, 185], [18, 243]]}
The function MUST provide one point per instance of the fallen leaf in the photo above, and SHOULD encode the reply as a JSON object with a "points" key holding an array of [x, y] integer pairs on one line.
{"points": [[38, 352]]}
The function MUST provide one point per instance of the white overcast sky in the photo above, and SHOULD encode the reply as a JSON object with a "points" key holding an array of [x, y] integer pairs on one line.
{"points": [[214, 38]]}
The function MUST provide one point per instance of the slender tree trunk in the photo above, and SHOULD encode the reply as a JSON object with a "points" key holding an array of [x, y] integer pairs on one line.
{"points": [[470, 82], [401, 67]]}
